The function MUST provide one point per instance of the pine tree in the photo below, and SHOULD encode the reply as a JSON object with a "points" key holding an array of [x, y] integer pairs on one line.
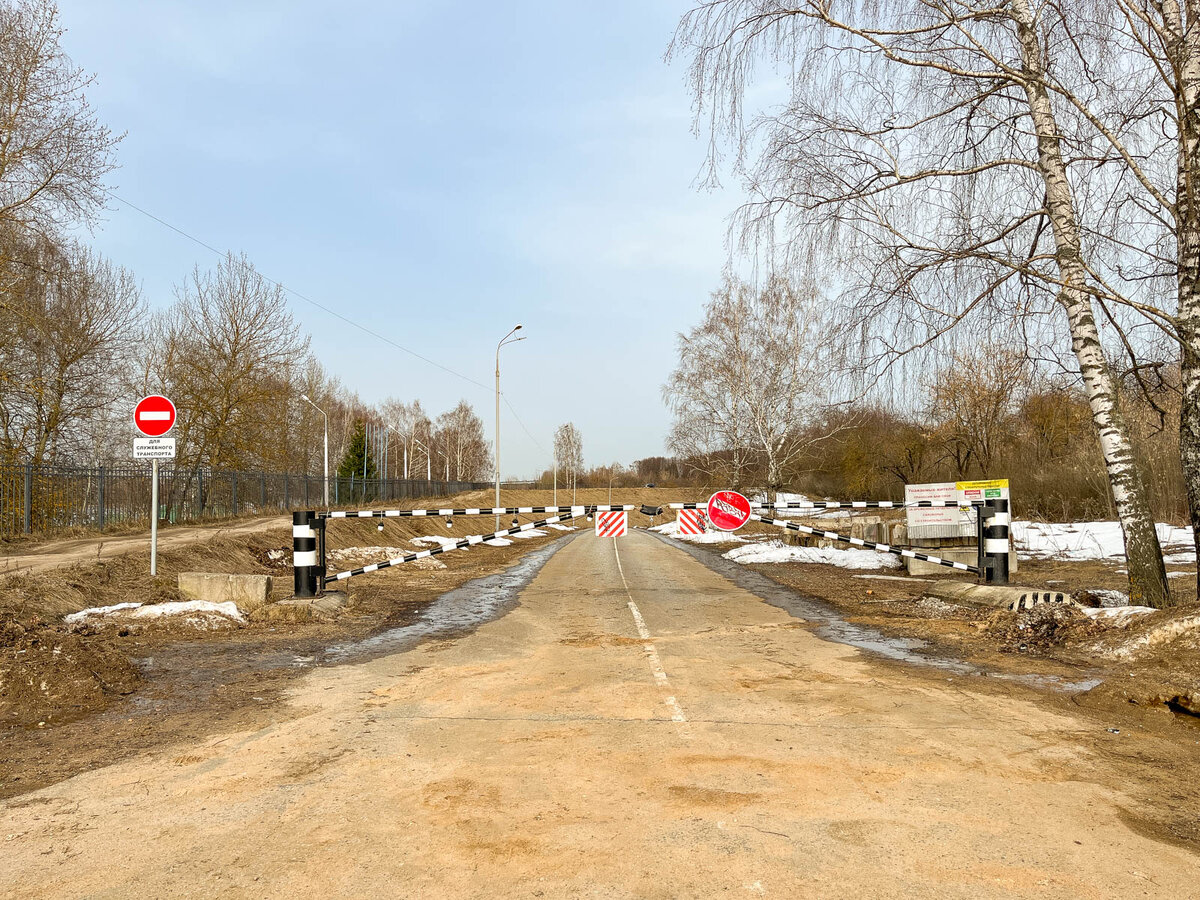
{"points": [[352, 465]]}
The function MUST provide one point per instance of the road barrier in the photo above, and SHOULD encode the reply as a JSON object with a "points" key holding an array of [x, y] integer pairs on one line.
{"points": [[870, 545], [446, 548], [477, 511], [847, 504]]}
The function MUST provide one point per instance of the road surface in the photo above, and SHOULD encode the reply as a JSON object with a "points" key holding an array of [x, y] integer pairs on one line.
{"points": [[637, 727]]}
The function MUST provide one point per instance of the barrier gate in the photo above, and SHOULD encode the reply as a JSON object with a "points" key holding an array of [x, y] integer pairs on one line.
{"points": [[311, 576]]}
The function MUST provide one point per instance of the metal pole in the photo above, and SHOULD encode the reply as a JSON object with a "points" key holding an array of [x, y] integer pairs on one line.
{"points": [[556, 479], [154, 517], [497, 473], [326, 462], [28, 498], [996, 540]]}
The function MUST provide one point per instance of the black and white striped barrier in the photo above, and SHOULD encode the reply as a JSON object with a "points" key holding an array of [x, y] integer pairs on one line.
{"points": [[445, 548], [871, 545], [847, 504], [996, 520], [471, 511], [306, 570]]}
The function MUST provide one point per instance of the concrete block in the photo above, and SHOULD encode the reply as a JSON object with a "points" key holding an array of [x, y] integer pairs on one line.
{"points": [[999, 596], [249, 592], [305, 609], [954, 554]]}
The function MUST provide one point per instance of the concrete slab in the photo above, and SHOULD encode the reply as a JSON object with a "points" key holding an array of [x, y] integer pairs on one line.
{"points": [[955, 554], [995, 595], [304, 609], [249, 592]]}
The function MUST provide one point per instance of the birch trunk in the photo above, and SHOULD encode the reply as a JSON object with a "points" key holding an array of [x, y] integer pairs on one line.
{"points": [[1185, 54], [1147, 574]]}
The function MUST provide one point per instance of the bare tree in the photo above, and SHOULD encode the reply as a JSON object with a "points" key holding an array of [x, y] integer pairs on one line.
{"points": [[68, 334], [230, 355], [54, 153], [568, 452], [934, 145], [458, 436], [750, 377]]}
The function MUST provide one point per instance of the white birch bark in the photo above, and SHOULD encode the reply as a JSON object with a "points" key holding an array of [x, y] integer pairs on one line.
{"points": [[1147, 575]]}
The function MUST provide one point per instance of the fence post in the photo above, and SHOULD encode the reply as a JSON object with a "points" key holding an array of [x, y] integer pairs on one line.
{"points": [[233, 492], [287, 492], [304, 553], [100, 500], [28, 498], [995, 540], [262, 491]]}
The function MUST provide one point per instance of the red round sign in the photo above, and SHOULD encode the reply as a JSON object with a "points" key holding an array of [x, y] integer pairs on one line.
{"points": [[154, 416], [728, 510]]}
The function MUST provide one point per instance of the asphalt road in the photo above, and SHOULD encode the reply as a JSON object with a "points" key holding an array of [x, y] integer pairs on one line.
{"points": [[637, 727]]}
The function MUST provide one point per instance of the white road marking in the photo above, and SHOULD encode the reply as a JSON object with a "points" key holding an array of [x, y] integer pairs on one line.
{"points": [[660, 675]]}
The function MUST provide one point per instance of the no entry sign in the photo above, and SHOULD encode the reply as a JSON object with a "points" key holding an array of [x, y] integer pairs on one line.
{"points": [[154, 416], [728, 510]]}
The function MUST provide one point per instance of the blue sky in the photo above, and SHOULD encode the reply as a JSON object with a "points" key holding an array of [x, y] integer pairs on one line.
{"points": [[438, 172]]}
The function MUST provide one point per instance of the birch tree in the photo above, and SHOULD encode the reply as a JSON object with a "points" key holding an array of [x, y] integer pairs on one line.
{"points": [[750, 378], [568, 452], [931, 145]]}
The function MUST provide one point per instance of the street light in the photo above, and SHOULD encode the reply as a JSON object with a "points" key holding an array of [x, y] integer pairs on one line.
{"points": [[428, 459], [305, 398], [503, 341]]}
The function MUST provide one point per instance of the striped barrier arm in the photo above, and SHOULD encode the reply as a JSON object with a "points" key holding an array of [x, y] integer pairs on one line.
{"points": [[445, 548], [870, 545], [847, 504], [470, 511]]}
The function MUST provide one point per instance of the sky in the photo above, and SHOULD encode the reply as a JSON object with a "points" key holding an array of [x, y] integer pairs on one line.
{"points": [[437, 173]]}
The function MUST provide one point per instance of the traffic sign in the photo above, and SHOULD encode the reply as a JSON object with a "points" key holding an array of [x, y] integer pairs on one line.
{"points": [[611, 523], [154, 448], [154, 416], [691, 521], [728, 510]]}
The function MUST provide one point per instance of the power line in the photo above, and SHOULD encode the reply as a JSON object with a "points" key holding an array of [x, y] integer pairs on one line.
{"points": [[309, 300], [522, 424]]}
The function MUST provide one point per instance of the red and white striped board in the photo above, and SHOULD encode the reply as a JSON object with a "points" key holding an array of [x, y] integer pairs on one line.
{"points": [[612, 524], [691, 521]]}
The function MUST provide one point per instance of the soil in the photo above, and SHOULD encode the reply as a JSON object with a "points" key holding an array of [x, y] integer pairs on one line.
{"points": [[74, 699]]}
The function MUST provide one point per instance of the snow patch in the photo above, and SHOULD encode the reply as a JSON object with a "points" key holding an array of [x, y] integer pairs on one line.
{"points": [[532, 533], [779, 552], [557, 527], [1093, 540], [1116, 615], [201, 614], [367, 552], [671, 529]]}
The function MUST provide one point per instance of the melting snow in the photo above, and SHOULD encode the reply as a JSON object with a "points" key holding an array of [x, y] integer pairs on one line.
{"points": [[671, 529], [197, 613], [1093, 540], [779, 552]]}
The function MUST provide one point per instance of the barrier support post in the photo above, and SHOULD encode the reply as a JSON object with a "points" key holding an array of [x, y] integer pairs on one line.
{"points": [[304, 553], [995, 540]]}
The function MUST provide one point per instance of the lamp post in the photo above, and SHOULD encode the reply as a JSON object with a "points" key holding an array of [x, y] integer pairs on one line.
{"points": [[306, 399], [507, 339], [428, 459]]}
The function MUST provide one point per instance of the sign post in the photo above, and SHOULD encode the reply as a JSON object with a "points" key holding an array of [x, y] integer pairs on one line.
{"points": [[154, 416]]}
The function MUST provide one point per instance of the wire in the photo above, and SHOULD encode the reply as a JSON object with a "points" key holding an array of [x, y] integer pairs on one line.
{"points": [[522, 424], [309, 300]]}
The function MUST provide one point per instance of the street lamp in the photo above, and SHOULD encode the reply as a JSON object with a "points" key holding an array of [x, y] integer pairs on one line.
{"points": [[507, 339], [428, 459], [306, 399]]}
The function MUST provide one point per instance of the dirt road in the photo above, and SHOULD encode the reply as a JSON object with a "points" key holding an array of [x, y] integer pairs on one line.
{"points": [[73, 551], [637, 727]]}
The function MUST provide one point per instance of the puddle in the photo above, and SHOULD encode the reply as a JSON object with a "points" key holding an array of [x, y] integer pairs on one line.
{"points": [[831, 626], [455, 612]]}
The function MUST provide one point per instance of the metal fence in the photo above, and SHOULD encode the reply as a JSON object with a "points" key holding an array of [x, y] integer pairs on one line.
{"points": [[48, 499]]}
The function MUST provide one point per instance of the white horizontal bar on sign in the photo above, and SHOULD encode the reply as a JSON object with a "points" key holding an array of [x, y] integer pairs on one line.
{"points": [[154, 415]]}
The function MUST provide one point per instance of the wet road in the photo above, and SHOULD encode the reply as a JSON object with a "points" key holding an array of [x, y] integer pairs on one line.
{"points": [[638, 726]]}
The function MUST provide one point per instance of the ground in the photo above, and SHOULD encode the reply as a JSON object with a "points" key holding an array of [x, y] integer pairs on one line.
{"points": [[635, 724]]}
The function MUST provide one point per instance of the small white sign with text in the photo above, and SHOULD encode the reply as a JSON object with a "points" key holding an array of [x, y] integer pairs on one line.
{"points": [[154, 448]]}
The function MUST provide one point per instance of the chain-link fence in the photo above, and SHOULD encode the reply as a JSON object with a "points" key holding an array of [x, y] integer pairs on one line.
{"points": [[48, 499]]}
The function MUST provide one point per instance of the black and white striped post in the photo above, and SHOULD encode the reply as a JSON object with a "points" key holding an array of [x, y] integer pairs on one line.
{"points": [[304, 553], [995, 540]]}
